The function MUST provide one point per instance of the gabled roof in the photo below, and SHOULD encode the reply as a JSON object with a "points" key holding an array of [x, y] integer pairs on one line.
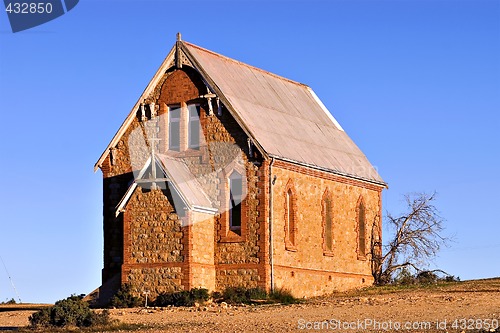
{"points": [[285, 119], [186, 184], [178, 178]]}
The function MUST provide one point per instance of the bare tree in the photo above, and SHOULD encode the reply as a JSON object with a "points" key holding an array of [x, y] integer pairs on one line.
{"points": [[416, 240]]}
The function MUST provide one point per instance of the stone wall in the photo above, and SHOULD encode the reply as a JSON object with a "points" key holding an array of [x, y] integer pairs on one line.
{"points": [[155, 229], [241, 277], [307, 269], [155, 280], [202, 251]]}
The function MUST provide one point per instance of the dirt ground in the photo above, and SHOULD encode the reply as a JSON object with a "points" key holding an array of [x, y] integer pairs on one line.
{"points": [[472, 306]]}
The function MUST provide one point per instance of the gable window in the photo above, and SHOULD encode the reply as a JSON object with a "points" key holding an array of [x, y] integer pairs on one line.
{"points": [[327, 226], [235, 196], [174, 127], [290, 219], [361, 230], [194, 126]]}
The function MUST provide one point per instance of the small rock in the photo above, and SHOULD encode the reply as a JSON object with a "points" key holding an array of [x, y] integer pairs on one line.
{"points": [[223, 305]]}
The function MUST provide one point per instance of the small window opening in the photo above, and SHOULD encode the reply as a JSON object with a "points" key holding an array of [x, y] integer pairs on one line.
{"points": [[174, 133], [235, 196], [194, 126]]}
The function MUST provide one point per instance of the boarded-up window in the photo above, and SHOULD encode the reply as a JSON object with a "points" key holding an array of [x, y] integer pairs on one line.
{"points": [[361, 229], [174, 127], [235, 196], [328, 221], [194, 126], [290, 219]]}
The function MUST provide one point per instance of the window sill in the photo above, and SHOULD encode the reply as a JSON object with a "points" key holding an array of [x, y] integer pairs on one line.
{"points": [[290, 247], [327, 253], [184, 153], [232, 237]]}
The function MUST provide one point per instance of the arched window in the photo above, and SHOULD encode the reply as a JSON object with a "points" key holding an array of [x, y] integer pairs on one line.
{"points": [[290, 221], [235, 196], [361, 229], [327, 225]]}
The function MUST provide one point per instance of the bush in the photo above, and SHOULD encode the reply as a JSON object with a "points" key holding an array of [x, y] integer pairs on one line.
{"points": [[10, 302], [238, 295], [41, 318], [452, 278], [256, 293], [404, 277], [182, 298], [72, 311], [283, 296], [427, 277], [199, 294], [124, 298], [235, 295], [216, 295]]}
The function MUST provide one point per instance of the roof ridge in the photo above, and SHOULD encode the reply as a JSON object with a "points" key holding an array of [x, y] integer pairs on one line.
{"points": [[246, 65]]}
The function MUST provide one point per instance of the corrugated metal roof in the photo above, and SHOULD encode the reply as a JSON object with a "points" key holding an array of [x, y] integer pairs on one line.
{"points": [[285, 117]]}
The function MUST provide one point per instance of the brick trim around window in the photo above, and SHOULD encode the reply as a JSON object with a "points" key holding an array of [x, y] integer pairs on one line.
{"points": [[327, 223], [361, 233], [290, 216], [226, 234]]}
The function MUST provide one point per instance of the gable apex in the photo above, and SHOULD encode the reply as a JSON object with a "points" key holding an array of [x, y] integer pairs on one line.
{"points": [[167, 63]]}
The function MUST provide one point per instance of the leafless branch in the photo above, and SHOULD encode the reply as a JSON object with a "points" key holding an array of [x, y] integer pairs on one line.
{"points": [[417, 238]]}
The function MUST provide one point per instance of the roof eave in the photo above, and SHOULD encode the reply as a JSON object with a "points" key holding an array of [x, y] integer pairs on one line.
{"points": [[206, 210], [336, 172]]}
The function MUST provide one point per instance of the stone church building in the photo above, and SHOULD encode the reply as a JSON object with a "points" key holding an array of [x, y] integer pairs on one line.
{"points": [[224, 174]]}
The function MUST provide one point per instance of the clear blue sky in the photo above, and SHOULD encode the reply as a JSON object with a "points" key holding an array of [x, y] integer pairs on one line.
{"points": [[416, 84]]}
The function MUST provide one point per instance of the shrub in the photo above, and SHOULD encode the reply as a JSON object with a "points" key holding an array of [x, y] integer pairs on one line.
{"points": [[72, 311], [405, 277], [232, 295], [182, 298], [427, 277], [199, 294], [41, 318], [256, 293], [124, 298], [452, 278], [283, 296], [237, 295], [216, 295], [10, 302]]}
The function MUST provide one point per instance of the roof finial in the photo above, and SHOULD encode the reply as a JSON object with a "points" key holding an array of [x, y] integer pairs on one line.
{"points": [[179, 37]]}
